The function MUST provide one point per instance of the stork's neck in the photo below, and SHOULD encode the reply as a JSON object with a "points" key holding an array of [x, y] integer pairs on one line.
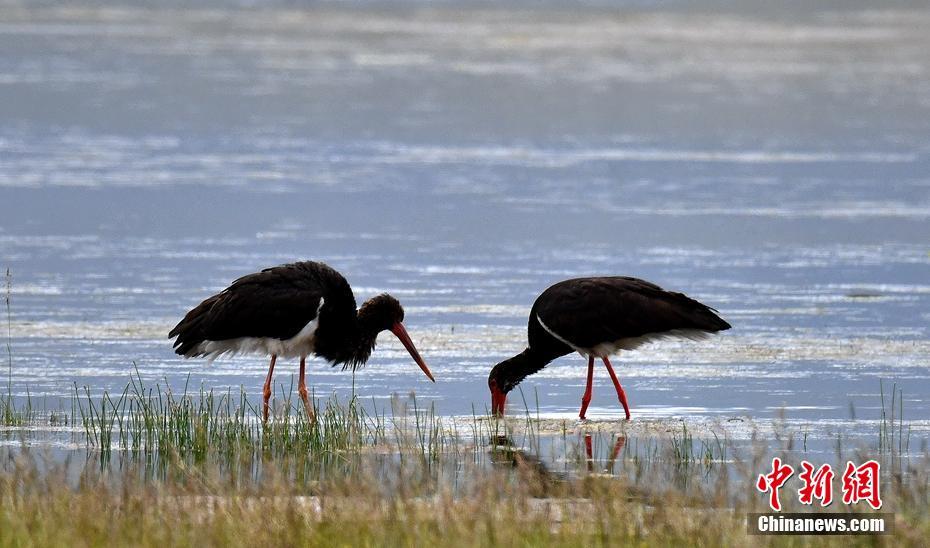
{"points": [[510, 373], [366, 335], [348, 341]]}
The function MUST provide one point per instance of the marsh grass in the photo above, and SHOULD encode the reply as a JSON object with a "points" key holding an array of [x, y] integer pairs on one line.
{"points": [[8, 416], [18, 416], [893, 438], [157, 424], [9, 330], [156, 420]]}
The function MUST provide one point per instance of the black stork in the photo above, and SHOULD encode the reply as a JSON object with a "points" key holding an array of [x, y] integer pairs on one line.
{"points": [[598, 317], [292, 310]]}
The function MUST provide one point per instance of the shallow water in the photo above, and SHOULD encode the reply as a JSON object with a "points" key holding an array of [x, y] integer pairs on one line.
{"points": [[772, 164]]}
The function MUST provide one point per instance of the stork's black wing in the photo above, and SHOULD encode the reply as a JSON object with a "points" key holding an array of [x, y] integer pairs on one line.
{"points": [[276, 302], [587, 312]]}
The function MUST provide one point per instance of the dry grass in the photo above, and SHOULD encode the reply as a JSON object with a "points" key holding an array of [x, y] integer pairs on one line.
{"points": [[498, 506]]}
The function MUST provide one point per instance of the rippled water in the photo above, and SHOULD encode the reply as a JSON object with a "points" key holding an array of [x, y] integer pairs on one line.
{"points": [[463, 158]]}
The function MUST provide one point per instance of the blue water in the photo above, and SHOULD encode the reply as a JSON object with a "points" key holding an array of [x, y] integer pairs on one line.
{"points": [[771, 162]]}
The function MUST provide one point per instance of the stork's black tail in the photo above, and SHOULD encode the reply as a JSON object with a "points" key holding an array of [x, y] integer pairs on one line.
{"points": [[700, 316], [191, 331]]}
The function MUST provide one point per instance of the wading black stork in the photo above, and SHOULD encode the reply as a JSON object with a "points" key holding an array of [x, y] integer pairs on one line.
{"points": [[598, 317], [292, 310]]}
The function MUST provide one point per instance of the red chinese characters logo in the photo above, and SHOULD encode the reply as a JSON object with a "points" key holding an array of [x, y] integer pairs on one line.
{"points": [[773, 481], [817, 485], [862, 483]]}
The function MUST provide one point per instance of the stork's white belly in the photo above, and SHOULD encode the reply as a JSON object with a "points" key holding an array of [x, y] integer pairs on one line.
{"points": [[300, 345], [608, 348]]}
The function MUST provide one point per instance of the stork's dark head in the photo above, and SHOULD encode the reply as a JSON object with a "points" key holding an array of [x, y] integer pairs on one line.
{"points": [[498, 396], [381, 313], [505, 376], [384, 313]]}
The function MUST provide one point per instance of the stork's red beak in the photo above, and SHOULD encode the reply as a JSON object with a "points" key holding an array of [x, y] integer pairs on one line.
{"points": [[498, 400], [401, 334]]}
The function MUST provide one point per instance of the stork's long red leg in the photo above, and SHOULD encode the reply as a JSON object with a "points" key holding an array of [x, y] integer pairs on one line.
{"points": [[266, 391], [586, 399], [302, 389], [620, 393]]}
